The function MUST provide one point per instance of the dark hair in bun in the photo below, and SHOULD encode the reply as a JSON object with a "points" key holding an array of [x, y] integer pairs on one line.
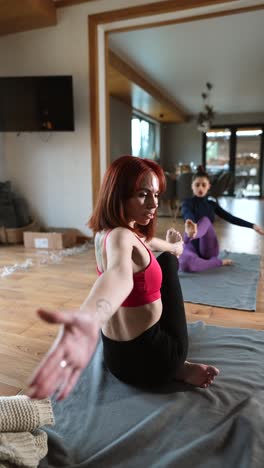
{"points": [[200, 172]]}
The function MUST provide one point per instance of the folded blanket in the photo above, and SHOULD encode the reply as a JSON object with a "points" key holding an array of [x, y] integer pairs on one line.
{"points": [[21, 414], [22, 449], [21, 442]]}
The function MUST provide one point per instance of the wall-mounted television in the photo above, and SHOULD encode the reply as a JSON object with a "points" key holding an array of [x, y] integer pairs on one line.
{"points": [[36, 104]]}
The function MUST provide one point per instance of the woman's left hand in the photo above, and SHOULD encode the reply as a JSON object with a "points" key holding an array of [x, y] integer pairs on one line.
{"points": [[258, 229]]}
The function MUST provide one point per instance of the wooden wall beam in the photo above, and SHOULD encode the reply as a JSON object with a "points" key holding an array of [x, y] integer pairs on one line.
{"points": [[18, 16], [66, 3], [94, 106], [150, 9]]}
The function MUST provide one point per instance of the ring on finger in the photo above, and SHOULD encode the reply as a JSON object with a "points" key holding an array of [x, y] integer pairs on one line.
{"points": [[63, 363]]}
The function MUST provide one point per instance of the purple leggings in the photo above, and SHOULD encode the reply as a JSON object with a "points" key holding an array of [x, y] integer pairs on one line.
{"points": [[207, 257]]}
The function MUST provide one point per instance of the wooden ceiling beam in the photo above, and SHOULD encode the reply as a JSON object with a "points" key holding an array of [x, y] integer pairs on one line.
{"points": [[65, 3], [136, 78], [125, 90], [18, 16]]}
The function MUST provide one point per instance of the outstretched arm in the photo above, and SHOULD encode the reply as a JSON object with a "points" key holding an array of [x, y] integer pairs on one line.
{"points": [[76, 342], [235, 220], [229, 217], [188, 209], [258, 229]]}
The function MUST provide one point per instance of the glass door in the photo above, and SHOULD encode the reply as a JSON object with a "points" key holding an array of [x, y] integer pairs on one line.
{"points": [[236, 150], [217, 154], [217, 150], [247, 162]]}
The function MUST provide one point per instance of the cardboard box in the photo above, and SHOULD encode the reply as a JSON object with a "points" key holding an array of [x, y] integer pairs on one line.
{"points": [[58, 239], [15, 235]]}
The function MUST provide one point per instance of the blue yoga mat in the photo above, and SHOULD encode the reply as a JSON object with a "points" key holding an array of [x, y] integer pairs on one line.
{"points": [[231, 287], [105, 423]]}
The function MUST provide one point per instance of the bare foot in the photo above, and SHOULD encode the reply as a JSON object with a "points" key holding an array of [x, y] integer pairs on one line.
{"points": [[199, 375], [173, 236], [190, 228], [227, 261]]}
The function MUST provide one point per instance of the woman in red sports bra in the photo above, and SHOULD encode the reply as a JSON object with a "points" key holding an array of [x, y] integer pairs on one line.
{"points": [[136, 302]]}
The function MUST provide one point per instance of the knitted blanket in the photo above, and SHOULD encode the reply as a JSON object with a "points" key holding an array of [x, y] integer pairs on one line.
{"points": [[21, 442]]}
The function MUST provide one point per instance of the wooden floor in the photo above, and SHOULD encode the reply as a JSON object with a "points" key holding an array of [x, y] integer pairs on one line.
{"points": [[24, 338]]}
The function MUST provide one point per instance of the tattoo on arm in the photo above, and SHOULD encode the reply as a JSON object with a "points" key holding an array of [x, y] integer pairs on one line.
{"points": [[104, 309]]}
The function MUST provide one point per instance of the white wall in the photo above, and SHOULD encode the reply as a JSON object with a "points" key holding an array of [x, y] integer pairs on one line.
{"points": [[55, 175], [180, 143]]}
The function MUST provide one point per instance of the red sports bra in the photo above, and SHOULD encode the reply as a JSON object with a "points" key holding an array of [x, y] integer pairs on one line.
{"points": [[147, 282]]}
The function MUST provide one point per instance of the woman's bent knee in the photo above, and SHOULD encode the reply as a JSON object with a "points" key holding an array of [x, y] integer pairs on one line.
{"points": [[168, 261], [186, 262]]}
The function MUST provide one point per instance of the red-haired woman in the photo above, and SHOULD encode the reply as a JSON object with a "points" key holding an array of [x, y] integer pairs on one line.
{"points": [[136, 301]]}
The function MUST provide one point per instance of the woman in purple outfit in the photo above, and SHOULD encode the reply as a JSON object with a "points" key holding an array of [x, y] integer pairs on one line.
{"points": [[201, 248]]}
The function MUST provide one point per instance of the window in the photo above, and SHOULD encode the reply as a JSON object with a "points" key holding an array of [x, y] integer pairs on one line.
{"points": [[217, 150], [237, 150], [143, 138], [247, 168]]}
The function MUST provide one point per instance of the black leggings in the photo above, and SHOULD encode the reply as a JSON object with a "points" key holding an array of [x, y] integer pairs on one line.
{"points": [[154, 356]]}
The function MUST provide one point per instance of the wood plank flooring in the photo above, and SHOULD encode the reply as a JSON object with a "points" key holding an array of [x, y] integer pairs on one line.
{"points": [[24, 338]]}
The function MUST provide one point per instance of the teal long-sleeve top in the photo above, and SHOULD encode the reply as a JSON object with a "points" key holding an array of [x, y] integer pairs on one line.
{"points": [[196, 208]]}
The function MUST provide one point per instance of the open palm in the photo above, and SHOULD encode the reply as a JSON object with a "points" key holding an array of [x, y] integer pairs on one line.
{"points": [[72, 350]]}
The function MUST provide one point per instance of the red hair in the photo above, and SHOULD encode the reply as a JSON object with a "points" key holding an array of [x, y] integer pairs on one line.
{"points": [[120, 182]]}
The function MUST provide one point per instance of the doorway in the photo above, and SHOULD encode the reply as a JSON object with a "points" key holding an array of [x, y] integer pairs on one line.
{"points": [[136, 17]]}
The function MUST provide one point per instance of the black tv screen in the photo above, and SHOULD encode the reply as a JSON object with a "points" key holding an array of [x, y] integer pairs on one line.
{"points": [[36, 103]]}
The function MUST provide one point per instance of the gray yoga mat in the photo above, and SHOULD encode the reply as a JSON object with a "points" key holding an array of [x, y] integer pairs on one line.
{"points": [[106, 423], [231, 287]]}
